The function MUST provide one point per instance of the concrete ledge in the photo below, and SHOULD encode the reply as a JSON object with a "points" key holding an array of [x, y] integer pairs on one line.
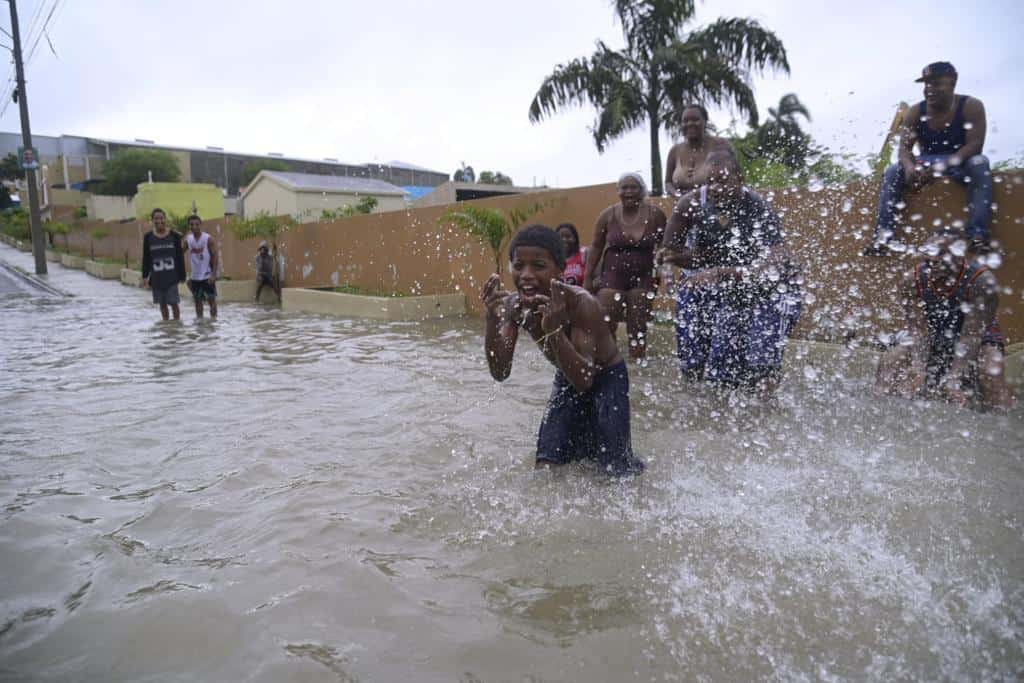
{"points": [[862, 362], [1014, 366], [72, 261], [52, 256], [243, 291], [104, 271], [132, 278], [374, 307]]}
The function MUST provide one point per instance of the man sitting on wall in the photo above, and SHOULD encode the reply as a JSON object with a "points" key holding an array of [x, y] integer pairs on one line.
{"points": [[949, 130], [952, 347]]}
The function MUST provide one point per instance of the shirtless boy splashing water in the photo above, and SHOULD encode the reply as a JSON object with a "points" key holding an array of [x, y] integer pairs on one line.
{"points": [[587, 417]]}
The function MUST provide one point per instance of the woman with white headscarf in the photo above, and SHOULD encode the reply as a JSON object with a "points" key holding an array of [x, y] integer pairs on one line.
{"points": [[620, 265]]}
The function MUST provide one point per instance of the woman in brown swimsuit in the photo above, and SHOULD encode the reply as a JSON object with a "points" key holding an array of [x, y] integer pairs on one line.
{"points": [[685, 168], [620, 264]]}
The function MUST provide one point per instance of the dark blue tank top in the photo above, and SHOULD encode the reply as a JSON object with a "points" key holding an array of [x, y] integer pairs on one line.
{"points": [[945, 316], [946, 141]]}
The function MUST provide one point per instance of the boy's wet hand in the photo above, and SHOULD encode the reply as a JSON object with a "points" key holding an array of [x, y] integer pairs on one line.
{"points": [[494, 296], [554, 312]]}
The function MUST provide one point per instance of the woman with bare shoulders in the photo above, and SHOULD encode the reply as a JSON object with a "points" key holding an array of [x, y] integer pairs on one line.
{"points": [[686, 168], [620, 263]]}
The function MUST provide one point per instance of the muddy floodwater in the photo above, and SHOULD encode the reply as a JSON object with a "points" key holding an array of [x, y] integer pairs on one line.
{"points": [[277, 497]]}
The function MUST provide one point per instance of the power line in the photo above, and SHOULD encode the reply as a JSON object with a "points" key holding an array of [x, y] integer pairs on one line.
{"points": [[9, 86], [42, 31]]}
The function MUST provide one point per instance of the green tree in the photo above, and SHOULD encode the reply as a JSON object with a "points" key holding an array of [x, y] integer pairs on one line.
{"points": [[464, 174], [1012, 164], [494, 178], [367, 204], [264, 226], [10, 169], [781, 138], [492, 226], [660, 70], [253, 168], [15, 223], [58, 228], [130, 167]]}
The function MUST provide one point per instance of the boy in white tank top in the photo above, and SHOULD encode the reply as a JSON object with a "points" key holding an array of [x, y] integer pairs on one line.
{"points": [[203, 258]]}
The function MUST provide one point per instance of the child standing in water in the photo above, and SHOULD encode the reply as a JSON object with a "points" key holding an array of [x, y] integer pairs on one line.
{"points": [[163, 265], [587, 416]]}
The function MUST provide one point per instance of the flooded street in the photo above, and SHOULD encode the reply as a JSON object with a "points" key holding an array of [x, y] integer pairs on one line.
{"points": [[275, 497]]}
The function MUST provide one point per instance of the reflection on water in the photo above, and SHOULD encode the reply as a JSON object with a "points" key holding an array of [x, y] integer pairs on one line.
{"points": [[276, 497]]}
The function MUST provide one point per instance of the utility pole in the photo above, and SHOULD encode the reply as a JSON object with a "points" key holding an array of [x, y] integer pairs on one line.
{"points": [[38, 243]]}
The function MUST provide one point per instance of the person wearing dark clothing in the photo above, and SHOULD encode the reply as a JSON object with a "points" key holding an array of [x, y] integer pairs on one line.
{"points": [[620, 264], [952, 346], [949, 132], [163, 265], [265, 272], [587, 416], [736, 310]]}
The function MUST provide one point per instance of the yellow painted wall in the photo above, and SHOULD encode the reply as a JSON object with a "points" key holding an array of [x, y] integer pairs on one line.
{"points": [[177, 198]]}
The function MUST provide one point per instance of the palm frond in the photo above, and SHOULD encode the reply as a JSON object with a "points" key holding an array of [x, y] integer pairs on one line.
{"points": [[743, 42]]}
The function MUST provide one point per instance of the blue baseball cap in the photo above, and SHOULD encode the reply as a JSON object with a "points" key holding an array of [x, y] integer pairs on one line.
{"points": [[936, 70]]}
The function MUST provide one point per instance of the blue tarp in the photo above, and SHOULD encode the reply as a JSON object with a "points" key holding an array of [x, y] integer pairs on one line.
{"points": [[417, 191]]}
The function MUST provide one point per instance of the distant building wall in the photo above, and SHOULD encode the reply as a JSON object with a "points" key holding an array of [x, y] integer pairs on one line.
{"points": [[60, 197], [311, 204], [100, 207], [265, 196], [178, 198]]}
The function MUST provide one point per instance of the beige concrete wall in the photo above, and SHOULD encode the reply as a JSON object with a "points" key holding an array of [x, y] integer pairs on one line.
{"points": [[407, 251], [61, 197], [100, 207], [104, 271]]}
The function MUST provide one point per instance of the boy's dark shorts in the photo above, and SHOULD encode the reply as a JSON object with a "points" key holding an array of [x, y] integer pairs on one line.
{"points": [[590, 426], [264, 279], [203, 290], [168, 296]]}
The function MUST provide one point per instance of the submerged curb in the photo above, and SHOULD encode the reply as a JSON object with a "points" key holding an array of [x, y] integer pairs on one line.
{"points": [[405, 308]]}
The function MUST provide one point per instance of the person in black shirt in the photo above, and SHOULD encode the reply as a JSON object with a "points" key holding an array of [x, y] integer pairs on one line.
{"points": [[163, 265]]}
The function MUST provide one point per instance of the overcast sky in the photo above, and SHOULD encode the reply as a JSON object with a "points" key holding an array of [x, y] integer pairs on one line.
{"points": [[437, 83]]}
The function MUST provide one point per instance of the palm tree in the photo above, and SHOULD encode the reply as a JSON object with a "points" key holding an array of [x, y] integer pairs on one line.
{"points": [[781, 135], [660, 70]]}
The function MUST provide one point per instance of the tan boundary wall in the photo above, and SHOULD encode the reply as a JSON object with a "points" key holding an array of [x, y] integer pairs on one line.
{"points": [[407, 251]]}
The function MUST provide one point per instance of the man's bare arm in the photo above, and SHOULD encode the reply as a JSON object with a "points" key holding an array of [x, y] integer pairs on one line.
{"points": [[974, 118], [214, 257], [673, 244], [908, 138], [670, 169]]}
